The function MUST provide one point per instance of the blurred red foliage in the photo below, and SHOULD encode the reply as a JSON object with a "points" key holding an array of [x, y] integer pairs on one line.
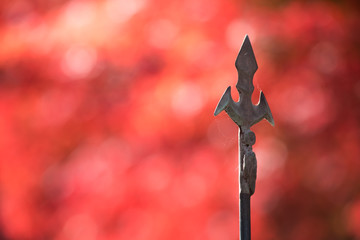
{"points": [[107, 127]]}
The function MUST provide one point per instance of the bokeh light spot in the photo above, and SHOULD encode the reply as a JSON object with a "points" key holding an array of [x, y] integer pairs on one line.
{"points": [[55, 108], [192, 190], [222, 133], [18, 12], [162, 33], [78, 62], [324, 56], [235, 32], [201, 10], [155, 173], [80, 226], [307, 106], [79, 14], [188, 100], [271, 154], [221, 224], [120, 11], [327, 173]]}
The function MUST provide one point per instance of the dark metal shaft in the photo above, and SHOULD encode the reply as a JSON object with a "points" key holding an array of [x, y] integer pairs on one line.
{"points": [[245, 229], [244, 201]]}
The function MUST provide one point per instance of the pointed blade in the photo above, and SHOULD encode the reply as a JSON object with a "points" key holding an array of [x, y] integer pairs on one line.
{"points": [[246, 66], [264, 107], [224, 101]]}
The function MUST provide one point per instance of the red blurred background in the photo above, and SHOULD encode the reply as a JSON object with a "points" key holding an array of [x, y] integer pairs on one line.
{"points": [[107, 128]]}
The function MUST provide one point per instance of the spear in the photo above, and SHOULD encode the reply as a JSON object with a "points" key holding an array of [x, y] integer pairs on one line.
{"points": [[245, 114]]}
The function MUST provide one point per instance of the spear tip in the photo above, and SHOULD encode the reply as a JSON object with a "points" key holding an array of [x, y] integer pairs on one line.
{"points": [[245, 61]]}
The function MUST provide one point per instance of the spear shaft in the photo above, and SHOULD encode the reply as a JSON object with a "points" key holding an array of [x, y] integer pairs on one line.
{"points": [[245, 227], [244, 198]]}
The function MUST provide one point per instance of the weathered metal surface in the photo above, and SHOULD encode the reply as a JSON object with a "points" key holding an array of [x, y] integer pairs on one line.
{"points": [[245, 114]]}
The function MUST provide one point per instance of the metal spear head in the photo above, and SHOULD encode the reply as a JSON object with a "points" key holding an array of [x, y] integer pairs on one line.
{"points": [[243, 112]]}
